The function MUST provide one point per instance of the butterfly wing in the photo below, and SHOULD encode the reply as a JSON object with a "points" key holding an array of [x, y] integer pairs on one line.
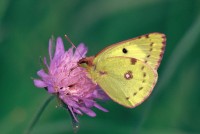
{"points": [[127, 81], [148, 48]]}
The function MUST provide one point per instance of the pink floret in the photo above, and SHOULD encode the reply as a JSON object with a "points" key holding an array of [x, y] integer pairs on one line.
{"points": [[69, 81]]}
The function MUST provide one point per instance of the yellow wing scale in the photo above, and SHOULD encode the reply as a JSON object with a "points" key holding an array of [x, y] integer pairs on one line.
{"points": [[148, 48], [125, 81]]}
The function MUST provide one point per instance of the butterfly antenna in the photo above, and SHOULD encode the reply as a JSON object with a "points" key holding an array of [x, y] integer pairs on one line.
{"points": [[68, 39]]}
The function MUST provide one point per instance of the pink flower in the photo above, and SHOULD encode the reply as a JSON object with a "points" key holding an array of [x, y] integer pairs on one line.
{"points": [[64, 78]]}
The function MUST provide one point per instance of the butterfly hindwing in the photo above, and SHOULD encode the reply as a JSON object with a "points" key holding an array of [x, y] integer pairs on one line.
{"points": [[128, 81], [148, 48]]}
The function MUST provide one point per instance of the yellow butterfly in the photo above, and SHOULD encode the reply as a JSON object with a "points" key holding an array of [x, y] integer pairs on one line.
{"points": [[127, 71]]}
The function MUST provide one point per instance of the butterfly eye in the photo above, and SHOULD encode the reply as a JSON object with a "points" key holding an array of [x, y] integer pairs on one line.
{"points": [[82, 61], [124, 50]]}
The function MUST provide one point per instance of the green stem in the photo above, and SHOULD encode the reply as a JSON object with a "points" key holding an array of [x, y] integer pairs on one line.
{"points": [[38, 114]]}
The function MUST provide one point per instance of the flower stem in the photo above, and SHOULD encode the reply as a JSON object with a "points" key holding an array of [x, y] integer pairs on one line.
{"points": [[75, 123], [38, 114]]}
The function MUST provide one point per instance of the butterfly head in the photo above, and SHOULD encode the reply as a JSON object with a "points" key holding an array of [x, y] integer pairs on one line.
{"points": [[86, 62]]}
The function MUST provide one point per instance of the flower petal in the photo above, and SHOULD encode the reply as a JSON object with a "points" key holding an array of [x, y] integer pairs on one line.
{"points": [[59, 48], [80, 52], [100, 94], [42, 74], [51, 89], [50, 48], [77, 111], [88, 102], [39, 83], [100, 107], [88, 111], [70, 52], [70, 102]]}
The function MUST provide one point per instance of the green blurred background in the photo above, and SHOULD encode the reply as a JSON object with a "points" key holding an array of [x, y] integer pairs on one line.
{"points": [[26, 26]]}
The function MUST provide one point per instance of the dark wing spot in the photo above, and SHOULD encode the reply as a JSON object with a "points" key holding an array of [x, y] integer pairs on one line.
{"points": [[143, 81], [145, 61], [128, 75], [144, 74], [151, 49], [151, 44], [161, 54], [133, 61], [127, 98], [134, 93], [140, 88], [148, 56], [124, 50], [164, 42], [142, 67], [163, 48], [163, 36]]}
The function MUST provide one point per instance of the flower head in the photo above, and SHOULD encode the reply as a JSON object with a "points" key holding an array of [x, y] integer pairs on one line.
{"points": [[64, 78]]}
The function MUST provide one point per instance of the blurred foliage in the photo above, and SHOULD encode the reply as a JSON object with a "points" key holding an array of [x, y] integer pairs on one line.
{"points": [[26, 26]]}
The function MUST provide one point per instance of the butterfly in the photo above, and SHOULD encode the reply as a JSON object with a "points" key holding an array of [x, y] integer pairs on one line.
{"points": [[127, 71]]}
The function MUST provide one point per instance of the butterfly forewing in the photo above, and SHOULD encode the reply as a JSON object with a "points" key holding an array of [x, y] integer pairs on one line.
{"points": [[147, 48], [128, 81]]}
